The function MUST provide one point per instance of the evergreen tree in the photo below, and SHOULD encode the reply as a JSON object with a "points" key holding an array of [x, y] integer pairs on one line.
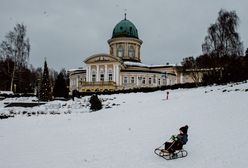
{"points": [[45, 88], [60, 88]]}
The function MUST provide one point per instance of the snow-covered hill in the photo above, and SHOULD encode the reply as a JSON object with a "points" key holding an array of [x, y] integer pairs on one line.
{"points": [[126, 134]]}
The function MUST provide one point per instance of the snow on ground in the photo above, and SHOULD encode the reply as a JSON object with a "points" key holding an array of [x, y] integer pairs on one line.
{"points": [[126, 134]]}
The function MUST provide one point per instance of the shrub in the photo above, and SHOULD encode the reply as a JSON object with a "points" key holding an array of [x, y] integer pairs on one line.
{"points": [[96, 104]]}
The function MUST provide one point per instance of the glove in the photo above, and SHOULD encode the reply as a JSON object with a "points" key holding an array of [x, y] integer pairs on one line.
{"points": [[173, 137]]}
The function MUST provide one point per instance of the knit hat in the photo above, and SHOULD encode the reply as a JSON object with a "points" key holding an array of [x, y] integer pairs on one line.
{"points": [[184, 129]]}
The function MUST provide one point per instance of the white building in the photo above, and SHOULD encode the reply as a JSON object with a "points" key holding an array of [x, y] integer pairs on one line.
{"points": [[122, 67]]}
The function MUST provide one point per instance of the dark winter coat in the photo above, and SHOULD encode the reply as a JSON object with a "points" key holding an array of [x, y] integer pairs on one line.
{"points": [[182, 138], [177, 144]]}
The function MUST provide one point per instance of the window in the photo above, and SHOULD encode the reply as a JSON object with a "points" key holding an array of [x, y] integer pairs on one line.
{"points": [[131, 51], [132, 79], [158, 81], [164, 81], [71, 82], [110, 77], [93, 76], [150, 81], [110, 74], [120, 51], [102, 77], [125, 79], [144, 80], [154, 79]]}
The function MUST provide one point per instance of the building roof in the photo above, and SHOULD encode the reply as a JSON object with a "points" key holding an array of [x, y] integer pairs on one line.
{"points": [[125, 28], [138, 64], [76, 69]]}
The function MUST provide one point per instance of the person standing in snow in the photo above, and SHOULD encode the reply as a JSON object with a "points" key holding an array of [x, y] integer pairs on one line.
{"points": [[177, 141]]}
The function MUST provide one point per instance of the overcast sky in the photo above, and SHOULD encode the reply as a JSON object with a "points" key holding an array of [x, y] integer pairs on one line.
{"points": [[68, 31]]}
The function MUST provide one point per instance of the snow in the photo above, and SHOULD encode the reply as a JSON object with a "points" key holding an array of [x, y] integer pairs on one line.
{"points": [[6, 92], [148, 66], [126, 134]]}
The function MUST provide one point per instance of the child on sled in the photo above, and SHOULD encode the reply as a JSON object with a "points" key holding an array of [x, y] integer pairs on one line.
{"points": [[177, 141]]}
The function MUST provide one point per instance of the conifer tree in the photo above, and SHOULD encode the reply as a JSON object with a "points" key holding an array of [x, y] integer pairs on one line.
{"points": [[45, 88]]}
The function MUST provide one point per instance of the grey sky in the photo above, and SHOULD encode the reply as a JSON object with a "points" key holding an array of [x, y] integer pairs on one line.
{"points": [[68, 31]]}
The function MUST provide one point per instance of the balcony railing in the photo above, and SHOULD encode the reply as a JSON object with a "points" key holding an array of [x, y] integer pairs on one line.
{"points": [[100, 83], [97, 86]]}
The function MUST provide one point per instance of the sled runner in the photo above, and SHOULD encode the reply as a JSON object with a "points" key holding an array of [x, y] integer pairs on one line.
{"points": [[169, 156]]}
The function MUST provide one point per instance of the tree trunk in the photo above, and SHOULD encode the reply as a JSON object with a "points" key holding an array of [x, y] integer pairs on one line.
{"points": [[12, 78]]}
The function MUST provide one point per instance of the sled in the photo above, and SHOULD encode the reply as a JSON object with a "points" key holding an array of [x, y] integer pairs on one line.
{"points": [[169, 156]]}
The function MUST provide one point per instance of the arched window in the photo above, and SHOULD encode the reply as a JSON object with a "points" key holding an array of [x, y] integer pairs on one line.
{"points": [[120, 51], [131, 51]]}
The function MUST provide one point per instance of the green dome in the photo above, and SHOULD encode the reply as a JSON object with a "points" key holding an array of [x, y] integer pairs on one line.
{"points": [[125, 28]]}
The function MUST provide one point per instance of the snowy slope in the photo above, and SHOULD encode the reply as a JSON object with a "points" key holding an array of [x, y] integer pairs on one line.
{"points": [[126, 135]]}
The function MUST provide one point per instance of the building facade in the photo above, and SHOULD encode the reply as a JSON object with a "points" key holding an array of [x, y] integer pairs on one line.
{"points": [[122, 67]]}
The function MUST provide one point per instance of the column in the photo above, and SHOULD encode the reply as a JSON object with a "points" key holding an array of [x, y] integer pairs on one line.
{"points": [[176, 78], [77, 84], [168, 81], [181, 78], [106, 73], [125, 50], [89, 74], [117, 75], [137, 80], [114, 76], [136, 51], [97, 73]]}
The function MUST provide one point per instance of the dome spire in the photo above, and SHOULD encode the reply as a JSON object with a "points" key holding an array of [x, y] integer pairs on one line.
{"points": [[125, 17]]}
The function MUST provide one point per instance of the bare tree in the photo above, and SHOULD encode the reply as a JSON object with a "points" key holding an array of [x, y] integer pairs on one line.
{"points": [[223, 39], [190, 66], [16, 47], [222, 46]]}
